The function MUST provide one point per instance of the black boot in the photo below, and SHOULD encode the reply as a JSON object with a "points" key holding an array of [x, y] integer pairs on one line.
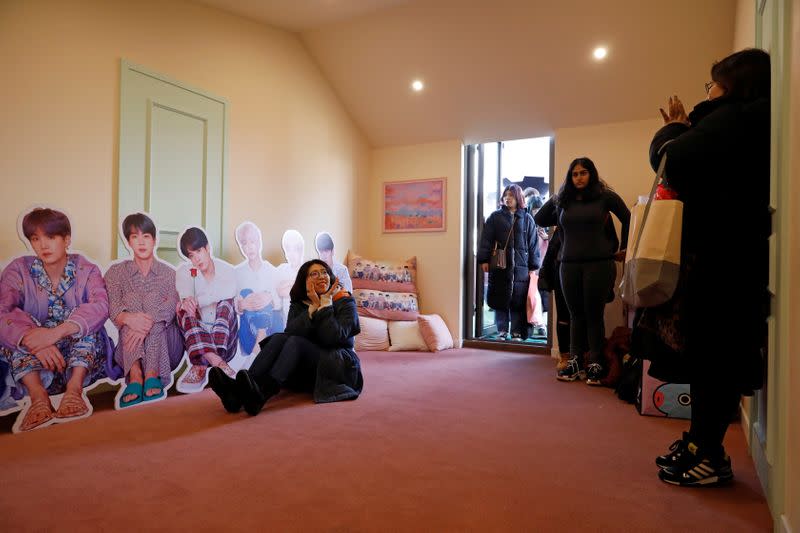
{"points": [[253, 396], [224, 387]]}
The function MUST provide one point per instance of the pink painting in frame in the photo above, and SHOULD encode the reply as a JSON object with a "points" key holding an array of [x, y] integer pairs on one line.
{"points": [[414, 205]]}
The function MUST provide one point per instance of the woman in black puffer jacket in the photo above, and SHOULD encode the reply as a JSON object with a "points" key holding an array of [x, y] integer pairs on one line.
{"points": [[508, 288], [315, 354], [720, 308]]}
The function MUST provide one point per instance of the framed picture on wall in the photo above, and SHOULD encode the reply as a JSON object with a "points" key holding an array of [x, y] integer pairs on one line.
{"points": [[414, 205]]}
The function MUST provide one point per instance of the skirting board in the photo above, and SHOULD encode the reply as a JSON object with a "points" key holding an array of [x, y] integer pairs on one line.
{"points": [[785, 527], [745, 417]]}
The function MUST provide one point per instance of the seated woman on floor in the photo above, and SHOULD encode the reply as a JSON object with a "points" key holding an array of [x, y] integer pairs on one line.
{"points": [[314, 354], [53, 306]]}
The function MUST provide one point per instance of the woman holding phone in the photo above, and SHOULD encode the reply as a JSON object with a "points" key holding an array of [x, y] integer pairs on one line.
{"points": [[315, 354]]}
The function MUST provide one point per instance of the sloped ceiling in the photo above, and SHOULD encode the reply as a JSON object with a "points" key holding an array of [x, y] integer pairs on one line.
{"points": [[502, 69]]}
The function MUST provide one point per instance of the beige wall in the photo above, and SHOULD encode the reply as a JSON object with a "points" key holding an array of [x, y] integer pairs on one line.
{"points": [[620, 152], [744, 35], [290, 140], [439, 254]]}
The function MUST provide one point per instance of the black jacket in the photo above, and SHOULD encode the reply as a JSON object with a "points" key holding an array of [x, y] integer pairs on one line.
{"points": [[333, 329], [509, 288], [588, 233], [720, 169]]}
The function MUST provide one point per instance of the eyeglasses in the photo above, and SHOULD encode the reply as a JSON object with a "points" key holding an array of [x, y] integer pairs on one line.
{"points": [[709, 85], [316, 274]]}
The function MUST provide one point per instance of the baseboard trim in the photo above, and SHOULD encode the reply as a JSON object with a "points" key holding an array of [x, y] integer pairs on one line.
{"points": [[784, 526], [745, 418]]}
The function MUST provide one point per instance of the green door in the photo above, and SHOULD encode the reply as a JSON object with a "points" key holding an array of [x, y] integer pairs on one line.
{"points": [[172, 155]]}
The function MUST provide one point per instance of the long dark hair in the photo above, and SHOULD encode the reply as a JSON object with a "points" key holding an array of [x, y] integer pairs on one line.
{"points": [[745, 75], [567, 192], [299, 292]]}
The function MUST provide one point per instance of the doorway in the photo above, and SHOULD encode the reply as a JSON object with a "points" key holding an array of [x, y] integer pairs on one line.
{"points": [[489, 169]]}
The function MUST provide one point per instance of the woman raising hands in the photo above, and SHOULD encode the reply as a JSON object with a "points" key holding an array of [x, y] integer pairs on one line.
{"points": [[315, 354]]}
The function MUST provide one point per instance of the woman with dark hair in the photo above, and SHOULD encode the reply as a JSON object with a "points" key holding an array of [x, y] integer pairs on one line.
{"points": [[581, 210], [510, 230], [315, 353], [720, 149]]}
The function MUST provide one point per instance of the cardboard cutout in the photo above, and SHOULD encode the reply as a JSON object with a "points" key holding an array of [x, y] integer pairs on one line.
{"points": [[53, 342], [325, 251], [293, 250], [206, 315], [142, 302], [257, 303]]}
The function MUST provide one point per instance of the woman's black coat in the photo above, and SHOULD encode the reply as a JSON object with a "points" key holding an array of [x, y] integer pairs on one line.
{"points": [[720, 169], [508, 289], [333, 330]]}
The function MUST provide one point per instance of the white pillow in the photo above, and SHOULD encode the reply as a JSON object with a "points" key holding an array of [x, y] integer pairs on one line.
{"points": [[374, 334], [405, 336]]}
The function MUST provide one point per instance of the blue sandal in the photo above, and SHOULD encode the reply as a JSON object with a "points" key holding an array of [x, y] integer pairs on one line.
{"points": [[131, 388], [152, 383]]}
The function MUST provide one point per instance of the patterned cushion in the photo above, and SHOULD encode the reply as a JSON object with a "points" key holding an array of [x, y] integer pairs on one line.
{"points": [[385, 276], [434, 331], [386, 305]]}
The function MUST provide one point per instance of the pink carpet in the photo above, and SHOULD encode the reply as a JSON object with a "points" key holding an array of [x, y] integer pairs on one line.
{"points": [[462, 440]]}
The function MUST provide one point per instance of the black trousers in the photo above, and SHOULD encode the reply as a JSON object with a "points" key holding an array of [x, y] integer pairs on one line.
{"points": [[288, 361], [586, 287], [715, 404], [563, 323]]}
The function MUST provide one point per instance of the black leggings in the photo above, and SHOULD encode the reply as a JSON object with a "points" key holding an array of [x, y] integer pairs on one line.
{"points": [[715, 404], [563, 323], [288, 360], [586, 288]]}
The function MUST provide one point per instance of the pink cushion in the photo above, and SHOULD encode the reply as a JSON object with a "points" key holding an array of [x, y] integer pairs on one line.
{"points": [[435, 332], [374, 334]]}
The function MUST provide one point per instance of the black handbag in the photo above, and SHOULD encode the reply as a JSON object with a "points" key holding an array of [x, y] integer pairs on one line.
{"points": [[548, 273], [498, 259]]}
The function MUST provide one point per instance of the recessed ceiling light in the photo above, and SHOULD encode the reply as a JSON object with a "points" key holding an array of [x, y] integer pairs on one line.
{"points": [[417, 85], [600, 52]]}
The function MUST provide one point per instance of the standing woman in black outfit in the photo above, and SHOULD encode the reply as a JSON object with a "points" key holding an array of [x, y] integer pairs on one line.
{"points": [[511, 228], [315, 354], [721, 304], [581, 210]]}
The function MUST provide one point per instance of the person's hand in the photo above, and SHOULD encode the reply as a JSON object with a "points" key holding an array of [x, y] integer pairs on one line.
{"points": [[131, 340], [543, 234], [37, 339], [675, 112], [333, 289], [313, 297], [485, 267], [141, 323], [51, 358], [189, 306], [257, 300]]}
